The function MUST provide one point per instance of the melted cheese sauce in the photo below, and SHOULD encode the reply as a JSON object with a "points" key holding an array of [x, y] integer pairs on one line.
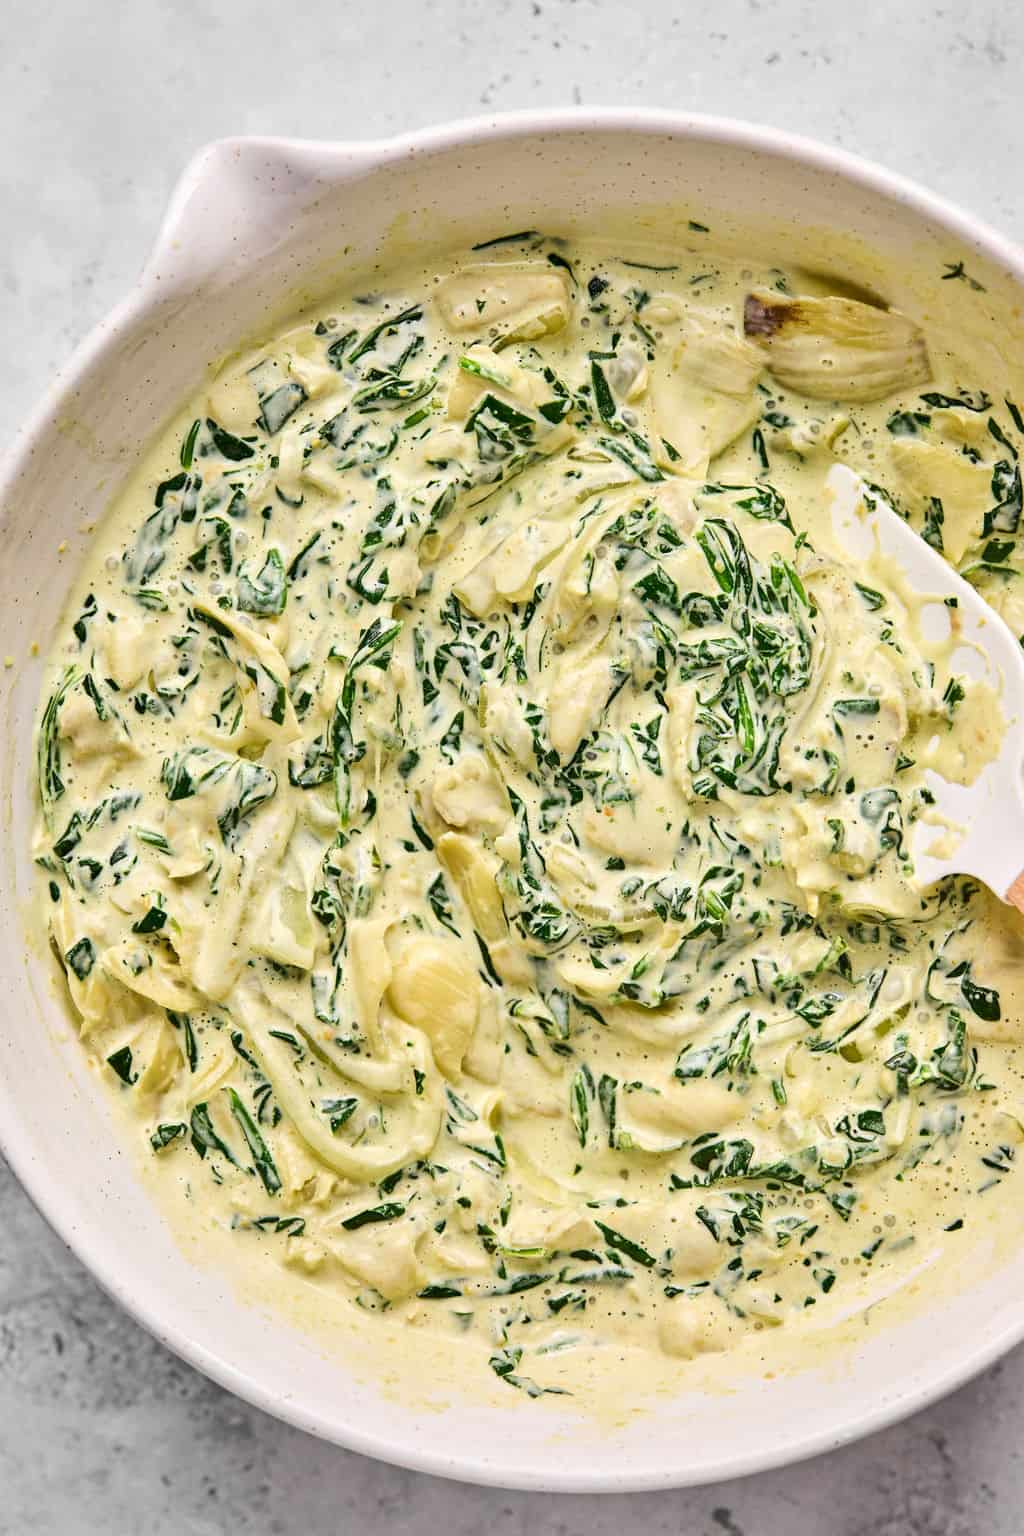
{"points": [[475, 799]]}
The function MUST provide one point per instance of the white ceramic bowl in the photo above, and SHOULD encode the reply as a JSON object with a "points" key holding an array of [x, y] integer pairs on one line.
{"points": [[254, 228]]}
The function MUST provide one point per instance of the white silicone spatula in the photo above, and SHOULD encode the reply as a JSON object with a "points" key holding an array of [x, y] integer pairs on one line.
{"points": [[991, 810]]}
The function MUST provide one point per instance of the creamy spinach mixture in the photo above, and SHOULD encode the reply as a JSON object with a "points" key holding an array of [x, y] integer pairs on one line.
{"points": [[475, 800]]}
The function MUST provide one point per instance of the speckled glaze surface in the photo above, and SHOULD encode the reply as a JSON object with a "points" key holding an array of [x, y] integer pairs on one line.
{"points": [[254, 227]]}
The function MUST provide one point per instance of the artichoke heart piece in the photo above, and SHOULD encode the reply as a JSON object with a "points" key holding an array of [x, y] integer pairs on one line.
{"points": [[468, 793], [435, 988], [513, 302], [706, 397], [475, 873], [719, 359], [836, 349], [512, 569], [578, 699]]}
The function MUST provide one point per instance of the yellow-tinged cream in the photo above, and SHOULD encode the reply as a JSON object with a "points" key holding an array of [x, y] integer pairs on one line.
{"points": [[474, 806]]}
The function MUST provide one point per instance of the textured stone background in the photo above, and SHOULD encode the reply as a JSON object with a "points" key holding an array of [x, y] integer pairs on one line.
{"points": [[100, 106]]}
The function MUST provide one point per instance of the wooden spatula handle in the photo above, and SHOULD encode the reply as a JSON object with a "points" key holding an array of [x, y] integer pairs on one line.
{"points": [[1015, 895]]}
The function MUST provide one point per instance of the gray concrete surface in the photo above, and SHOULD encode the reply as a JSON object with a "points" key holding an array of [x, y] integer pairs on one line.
{"points": [[100, 106]]}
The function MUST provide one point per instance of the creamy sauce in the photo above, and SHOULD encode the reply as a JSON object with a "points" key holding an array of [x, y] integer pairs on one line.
{"points": [[474, 807]]}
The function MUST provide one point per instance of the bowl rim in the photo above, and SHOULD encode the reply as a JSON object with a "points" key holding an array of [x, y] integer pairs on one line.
{"points": [[42, 1187]]}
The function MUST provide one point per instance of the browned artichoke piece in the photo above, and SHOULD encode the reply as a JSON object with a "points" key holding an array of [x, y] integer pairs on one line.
{"points": [[836, 349]]}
